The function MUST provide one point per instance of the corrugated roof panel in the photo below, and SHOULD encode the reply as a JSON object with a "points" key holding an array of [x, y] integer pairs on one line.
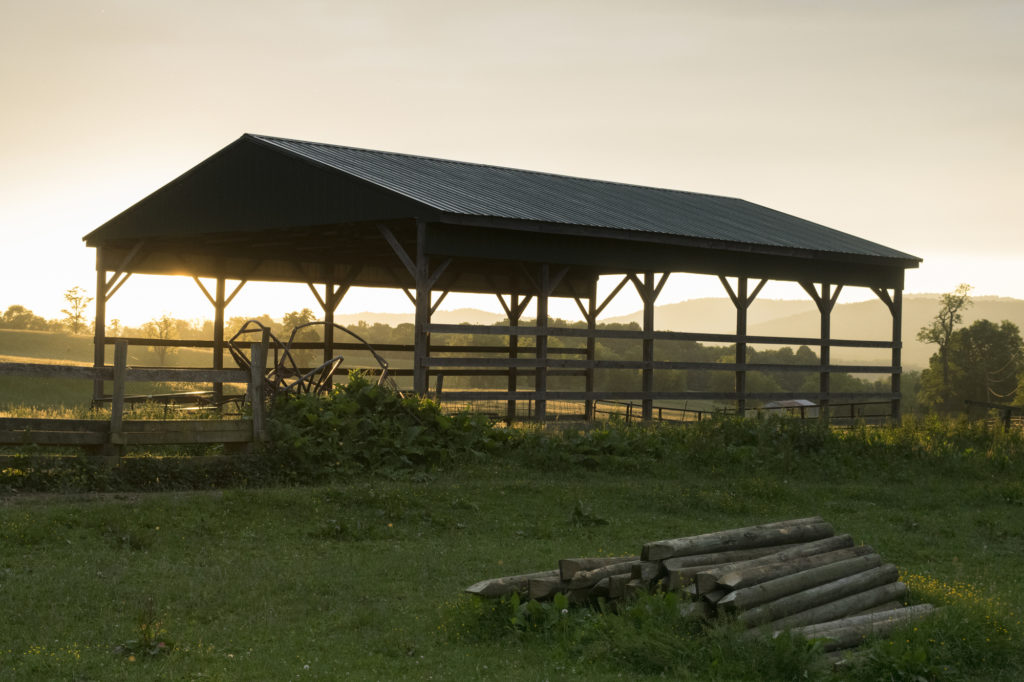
{"points": [[493, 191]]}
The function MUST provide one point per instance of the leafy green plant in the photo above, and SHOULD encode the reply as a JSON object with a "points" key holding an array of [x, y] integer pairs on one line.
{"points": [[151, 639], [365, 427]]}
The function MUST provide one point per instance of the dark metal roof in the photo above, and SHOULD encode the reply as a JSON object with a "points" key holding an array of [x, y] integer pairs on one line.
{"points": [[471, 189]]}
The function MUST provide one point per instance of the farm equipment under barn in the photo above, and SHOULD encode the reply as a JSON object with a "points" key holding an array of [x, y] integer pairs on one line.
{"points": [[285, 373]]}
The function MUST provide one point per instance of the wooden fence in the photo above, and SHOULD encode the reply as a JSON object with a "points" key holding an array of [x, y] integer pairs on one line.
{"points": [[528, 366], [110, 439]]}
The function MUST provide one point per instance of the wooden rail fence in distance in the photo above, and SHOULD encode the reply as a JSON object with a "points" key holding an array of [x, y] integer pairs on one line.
{"points": [[110, 438]]}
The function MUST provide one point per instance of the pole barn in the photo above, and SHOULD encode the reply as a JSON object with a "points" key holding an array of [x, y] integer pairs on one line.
{"points": [[332, 217]]}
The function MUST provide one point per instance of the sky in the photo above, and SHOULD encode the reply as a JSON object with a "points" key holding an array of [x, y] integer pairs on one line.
{"points": [[900, 121]]}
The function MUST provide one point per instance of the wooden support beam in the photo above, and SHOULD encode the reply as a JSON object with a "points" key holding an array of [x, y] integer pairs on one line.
{"points": [[114, 450], [100, 331], [591, 318], [121, 275], [514, 311], [897, 359], [421, 272], [219, 305], [436, 304], [541, 375], [399, 250], [609, 297], [648, 291], [826, 301], [742, 300], [647, 373], [257, 369]]}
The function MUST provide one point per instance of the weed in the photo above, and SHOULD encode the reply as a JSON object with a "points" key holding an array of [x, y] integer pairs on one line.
{"points": [[151, 639]]}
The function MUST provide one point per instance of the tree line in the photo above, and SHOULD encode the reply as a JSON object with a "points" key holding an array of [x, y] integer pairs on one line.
{"points": [[982, 362]]}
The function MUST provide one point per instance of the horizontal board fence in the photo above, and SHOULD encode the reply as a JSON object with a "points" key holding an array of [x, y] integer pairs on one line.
{"points": [[653, 395], [531, 366], [654, 335], [110, 438]]}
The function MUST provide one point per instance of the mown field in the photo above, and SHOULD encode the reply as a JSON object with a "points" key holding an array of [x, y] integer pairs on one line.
{"points": [[360, 575]]}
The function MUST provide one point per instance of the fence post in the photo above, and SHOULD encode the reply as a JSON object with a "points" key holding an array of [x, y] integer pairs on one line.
{"points": [[257, 371], [116, 441]]}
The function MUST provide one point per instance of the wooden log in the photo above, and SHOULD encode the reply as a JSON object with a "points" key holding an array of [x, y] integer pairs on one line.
{"points": [[755, 574], [617, 585], [787, 553], [568, 568], [766, 535], [849, 632], [847, 606], [636, 586], [670, 582], [545, 588], [589, 578], [683, 577], [717, 558], [500, 587], [887, 606], [600, 589], [818, 595], [824, 568], [714, 596], [581, 596], [646, 570]]}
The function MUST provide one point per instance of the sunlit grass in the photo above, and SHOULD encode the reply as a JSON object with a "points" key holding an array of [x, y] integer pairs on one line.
{"points": [[364, 577]]}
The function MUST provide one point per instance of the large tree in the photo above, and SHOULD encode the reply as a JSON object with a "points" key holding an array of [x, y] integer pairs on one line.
{"points": [[940, 330], [163, 328], [983, 362], [20, 317], [74, 314]]}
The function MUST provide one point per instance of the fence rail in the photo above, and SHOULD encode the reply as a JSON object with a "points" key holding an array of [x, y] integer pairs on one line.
{"points": [[109, 438]]}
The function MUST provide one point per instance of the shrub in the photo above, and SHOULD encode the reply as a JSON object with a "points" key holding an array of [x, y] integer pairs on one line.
{"points": [[364, 427]]}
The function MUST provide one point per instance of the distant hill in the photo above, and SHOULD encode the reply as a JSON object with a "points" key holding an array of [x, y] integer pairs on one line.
{"points": [[458, 316], [775, 317], [767, 317], [861, 320]]}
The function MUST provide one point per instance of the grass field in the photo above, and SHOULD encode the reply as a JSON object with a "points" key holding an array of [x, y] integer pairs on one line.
{"points": [[56, 347], [362, 580]]}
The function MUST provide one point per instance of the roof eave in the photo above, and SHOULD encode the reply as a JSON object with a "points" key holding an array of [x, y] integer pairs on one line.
{"points": [[903, 261]]}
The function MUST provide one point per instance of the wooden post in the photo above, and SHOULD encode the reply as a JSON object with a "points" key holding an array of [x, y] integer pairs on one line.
{"points": [[591, 349], [742, 300], [218, 337], [647, 375], [116, 443], [100, 333], [514, 313], [540, 384], [329, 305], [825, 378], [421, 345], [825, 301], [897, 348], [257, 374], [333, 293], [741, 345]]}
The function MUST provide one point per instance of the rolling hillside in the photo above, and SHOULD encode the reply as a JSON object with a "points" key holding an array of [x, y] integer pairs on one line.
{"points": [[867, 319]]}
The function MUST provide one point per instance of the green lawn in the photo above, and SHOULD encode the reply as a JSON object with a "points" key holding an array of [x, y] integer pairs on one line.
{"points": [[363, 580]]}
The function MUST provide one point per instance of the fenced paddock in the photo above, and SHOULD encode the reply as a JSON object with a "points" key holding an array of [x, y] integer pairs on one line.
{"points": [[110, 438]]}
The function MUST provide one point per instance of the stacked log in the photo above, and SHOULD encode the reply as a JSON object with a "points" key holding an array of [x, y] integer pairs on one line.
{"points": [[795, 575]]}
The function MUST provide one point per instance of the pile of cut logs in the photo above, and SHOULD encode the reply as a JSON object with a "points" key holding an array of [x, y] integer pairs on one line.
{"points": [[795, 575]]}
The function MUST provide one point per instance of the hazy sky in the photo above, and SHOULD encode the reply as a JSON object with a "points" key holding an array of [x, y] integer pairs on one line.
{"points": [[900, 121]]}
